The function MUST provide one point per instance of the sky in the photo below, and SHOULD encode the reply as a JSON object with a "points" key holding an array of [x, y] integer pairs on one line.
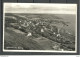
{"points": [[40, 8]]}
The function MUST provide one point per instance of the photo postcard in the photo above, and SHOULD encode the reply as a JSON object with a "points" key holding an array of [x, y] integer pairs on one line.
{"points": [[39, 27]]}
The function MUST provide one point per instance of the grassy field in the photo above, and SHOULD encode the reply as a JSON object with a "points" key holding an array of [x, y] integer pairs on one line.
{"points": [[13, 39]]}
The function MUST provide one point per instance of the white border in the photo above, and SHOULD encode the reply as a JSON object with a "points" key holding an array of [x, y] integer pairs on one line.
{"points": [[40, 50]]}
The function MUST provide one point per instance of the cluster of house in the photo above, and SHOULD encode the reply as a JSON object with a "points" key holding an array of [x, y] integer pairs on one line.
{"points": [[40, 26]]}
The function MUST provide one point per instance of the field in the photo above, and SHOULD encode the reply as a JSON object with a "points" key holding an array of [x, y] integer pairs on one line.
{"points": [[39, 32]]}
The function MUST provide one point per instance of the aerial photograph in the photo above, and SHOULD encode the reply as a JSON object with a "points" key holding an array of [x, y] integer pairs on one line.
{"points": [[39, 27]]}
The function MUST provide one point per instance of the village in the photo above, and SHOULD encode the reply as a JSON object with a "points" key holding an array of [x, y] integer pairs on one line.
{"points": [[50, 34]]}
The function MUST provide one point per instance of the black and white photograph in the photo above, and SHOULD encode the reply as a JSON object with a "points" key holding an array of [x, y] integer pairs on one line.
{"points": [[39, 27]]}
